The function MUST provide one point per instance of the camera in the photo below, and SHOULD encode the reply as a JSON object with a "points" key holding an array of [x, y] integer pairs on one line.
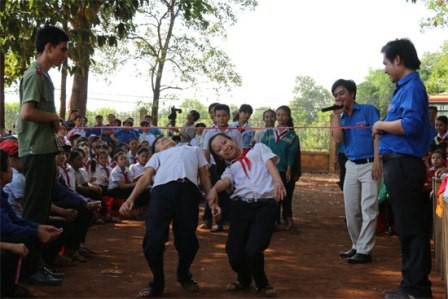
{"points": [[173, 114]]}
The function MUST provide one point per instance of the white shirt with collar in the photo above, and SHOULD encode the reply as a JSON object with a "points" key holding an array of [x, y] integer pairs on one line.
{"points": [[117, 176], [258, 182], [177, 162], [15, 190]]}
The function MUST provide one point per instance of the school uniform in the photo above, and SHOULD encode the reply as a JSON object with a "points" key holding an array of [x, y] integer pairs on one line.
{"points": [[136, 169], [253, 212], [247, 134], [174, 198], [69, 175], [132, 158], [101, 174]]}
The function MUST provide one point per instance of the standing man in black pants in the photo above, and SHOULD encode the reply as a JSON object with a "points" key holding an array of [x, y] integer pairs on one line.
{"points": [[405, 139]]}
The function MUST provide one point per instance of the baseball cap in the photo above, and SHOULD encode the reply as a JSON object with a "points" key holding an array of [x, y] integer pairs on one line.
{"points": [[10, 146]]}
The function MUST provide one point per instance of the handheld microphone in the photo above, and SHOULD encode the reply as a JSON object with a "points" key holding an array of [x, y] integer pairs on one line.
{"points": [[331, 108]]}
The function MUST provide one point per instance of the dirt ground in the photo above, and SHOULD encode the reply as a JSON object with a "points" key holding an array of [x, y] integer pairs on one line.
{"points": [[298, 266]]}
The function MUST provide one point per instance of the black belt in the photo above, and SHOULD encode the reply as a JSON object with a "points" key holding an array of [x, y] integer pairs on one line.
{"points": [[391, 156], [184, 180], [254, 200], [362, 161]]}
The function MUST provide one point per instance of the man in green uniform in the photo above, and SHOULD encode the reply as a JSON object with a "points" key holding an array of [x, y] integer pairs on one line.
{"points": [[39, 122]]}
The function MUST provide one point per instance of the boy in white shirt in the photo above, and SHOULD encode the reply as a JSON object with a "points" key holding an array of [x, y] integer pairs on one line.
{"points": [[174, 198], [136, 169]]}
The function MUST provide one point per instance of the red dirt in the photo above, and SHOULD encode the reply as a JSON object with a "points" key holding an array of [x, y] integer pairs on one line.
{"points": [[298, 266]]}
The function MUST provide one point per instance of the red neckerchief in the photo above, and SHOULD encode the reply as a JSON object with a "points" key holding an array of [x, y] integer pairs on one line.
{"points": [[67, 177], [126, 179], [107, 171], [243, 160], [279, 136]]}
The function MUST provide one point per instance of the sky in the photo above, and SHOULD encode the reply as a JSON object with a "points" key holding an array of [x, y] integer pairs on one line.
{"points": [[283, 39]]}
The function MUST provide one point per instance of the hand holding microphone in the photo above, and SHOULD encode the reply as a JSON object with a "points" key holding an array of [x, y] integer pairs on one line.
{"points": [[332, 108]]}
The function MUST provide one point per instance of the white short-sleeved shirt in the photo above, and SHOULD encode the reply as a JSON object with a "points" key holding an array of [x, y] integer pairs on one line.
{"points": [[102, 174], [117, 176], [177, 162], [69, 175], [15, 190], [136, 169], [132, 159], [147, 137], [247, 134], [258, 183]]}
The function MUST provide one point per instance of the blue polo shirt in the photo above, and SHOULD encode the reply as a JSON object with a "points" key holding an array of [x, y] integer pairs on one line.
{"points": [[124, 135], [410, 104], [358, 142]]}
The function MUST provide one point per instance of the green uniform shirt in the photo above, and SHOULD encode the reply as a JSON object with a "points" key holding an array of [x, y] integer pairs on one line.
{"points": [[37, 138]]}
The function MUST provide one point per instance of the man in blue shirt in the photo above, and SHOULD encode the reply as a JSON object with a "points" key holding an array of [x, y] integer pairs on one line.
{"points": [[363, 169], [405, 139]]}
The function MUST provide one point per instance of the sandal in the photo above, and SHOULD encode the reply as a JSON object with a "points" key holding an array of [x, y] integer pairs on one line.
{"points": [[236, 286], [148, 292], [268, 291]]}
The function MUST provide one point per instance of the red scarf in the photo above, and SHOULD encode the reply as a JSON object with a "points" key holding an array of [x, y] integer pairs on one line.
{"points": [[107, 171], [67, 177], [244, 161], [125, 175]]}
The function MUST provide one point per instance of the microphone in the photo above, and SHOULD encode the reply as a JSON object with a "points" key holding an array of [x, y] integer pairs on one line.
{"points": [[331, 108]]}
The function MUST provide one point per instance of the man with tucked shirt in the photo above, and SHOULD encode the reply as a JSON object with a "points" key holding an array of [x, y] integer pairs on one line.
{"points": [[405, 139], [362, 176]]}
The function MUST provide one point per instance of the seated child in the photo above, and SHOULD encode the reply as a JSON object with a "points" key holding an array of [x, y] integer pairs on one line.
{"points": [[132, 153], [120, 181], [138, 168]]}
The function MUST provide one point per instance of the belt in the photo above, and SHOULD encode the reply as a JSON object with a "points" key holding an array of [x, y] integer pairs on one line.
{"points": [[183, 180], [253, 200], [362, 161], [391, 156]]}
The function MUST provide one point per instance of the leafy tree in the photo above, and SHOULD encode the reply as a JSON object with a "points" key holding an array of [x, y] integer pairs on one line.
{"points": [[440, 17], [377, 89], [309, 98], [183, 45], [190, 104], [434, 70]]}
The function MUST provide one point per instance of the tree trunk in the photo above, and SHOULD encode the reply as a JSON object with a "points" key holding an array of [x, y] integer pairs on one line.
{"points": [[2, 92], [63, 97], [79, 91]]}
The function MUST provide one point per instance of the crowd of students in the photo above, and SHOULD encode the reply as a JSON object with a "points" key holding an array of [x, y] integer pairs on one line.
{"points": [[97, 165]]}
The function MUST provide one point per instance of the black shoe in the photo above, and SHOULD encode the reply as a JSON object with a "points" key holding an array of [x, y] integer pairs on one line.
{"points": [[397, 294], [190, 286], [347, 254], [360, 258], [42, 278], [59, 275]]}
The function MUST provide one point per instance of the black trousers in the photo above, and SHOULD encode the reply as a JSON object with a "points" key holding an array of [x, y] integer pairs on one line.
{"points": [[285, 206], [250, 233], [404, 177], [8, 264], [176, 202]]}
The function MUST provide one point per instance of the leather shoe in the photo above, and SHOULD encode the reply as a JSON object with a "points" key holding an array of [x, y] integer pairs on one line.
{"points": [[360, 258], [347, 254], [43, 278]]}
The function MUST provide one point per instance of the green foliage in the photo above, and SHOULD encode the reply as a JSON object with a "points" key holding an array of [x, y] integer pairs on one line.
{"points": [[309, 98], [377, 89], [11, 115], [434, 70]]}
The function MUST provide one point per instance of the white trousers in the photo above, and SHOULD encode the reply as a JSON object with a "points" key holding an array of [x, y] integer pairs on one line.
{"points": [[361, 205]]}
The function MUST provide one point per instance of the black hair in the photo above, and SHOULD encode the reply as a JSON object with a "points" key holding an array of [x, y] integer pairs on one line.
{"points": [[269, 110], [153, 146], [132, 139], [78, 117], [200, 125], [222, 107], [73, 111], [246, 108], [443, 119], [144, 123], [142, 150], [4, 161], [212, 106], [118, 121], [99, 116], [433, 108], [82, 139], [195, 114], [118, 153], [74, 154], [288, 110], [404, 49], [220, 163], [350, 85], [442, 153], [50, 34]]}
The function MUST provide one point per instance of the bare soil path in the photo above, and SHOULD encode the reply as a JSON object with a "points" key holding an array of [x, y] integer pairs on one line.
{"points": [[299, 266]]}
